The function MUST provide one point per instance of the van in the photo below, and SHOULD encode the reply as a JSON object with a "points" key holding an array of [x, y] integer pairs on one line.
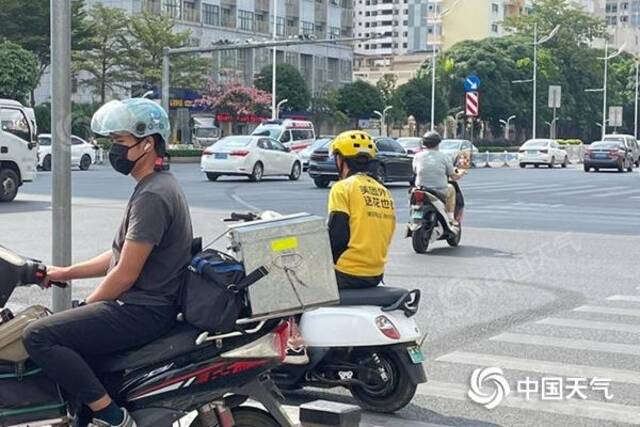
{"points": [[293, 134], [18, 148], [204, 131]]}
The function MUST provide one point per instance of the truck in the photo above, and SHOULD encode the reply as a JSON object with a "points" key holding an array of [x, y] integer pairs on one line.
{"points": [[204, 131], [18, 148]]}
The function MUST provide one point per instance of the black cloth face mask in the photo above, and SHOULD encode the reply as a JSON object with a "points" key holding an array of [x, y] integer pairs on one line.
{"points": [[118, 157]]}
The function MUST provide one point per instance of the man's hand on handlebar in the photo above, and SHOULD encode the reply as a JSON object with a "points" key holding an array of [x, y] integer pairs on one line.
{"points": [[56, 276]]}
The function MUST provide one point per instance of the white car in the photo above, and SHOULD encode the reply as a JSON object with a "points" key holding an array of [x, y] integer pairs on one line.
{"points": [[83, 154], [251, 156], [538, 152]]}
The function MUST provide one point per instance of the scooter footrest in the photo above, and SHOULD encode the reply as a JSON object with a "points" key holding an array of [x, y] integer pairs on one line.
{"points": [[325, 413]]}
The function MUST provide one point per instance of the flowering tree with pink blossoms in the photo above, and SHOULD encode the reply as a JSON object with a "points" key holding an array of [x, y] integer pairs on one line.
{"points": [[235, 100]]}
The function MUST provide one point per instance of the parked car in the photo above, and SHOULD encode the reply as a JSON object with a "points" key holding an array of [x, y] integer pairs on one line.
{"points": [[305, 155], [395, 164], [412, 144], [631, 144], [608, 155], [294, 134], [83, 154], [538, 152], [251, 156], [462, 152]]}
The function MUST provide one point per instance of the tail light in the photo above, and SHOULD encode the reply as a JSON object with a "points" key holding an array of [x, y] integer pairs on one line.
{"points": [[521, 150], [270, 346], [614, 153], [319, 157], [239, 153], [387, 327], [281, 338], [417, 197], [207, 152], [545, 151]]}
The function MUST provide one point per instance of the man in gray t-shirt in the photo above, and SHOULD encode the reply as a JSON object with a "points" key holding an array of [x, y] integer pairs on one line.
{"points": [[134, 303], [433, 170]]}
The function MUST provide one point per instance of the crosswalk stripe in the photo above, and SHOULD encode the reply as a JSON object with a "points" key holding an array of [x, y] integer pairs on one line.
{"points": [[591, 324], [550, 187], [580, 190], [541, 366], [631, 298], [617, 193], [608, 310], [613, 412], [511, 187], [569, 343]]}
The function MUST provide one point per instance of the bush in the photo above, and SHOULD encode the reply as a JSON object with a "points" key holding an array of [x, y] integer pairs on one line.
{"points": [[184, 152], [570, 142]]}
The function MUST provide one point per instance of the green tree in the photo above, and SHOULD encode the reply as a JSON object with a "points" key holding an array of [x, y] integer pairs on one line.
{"points": [[29, 25], [18, 71], [415, 96], [359, 99], [387, 86], [148, 35], [324, 108], [105, 58], [290, 85]]}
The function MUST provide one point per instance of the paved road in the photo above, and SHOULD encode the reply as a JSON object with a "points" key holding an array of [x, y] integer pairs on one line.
{"points": [[544, 284]]}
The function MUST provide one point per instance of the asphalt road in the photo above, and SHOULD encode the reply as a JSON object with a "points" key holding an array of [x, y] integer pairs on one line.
{"points": [[545, 282]]}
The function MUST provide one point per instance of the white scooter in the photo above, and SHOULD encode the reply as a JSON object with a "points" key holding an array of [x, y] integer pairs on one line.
{"points": [[370, 343]]}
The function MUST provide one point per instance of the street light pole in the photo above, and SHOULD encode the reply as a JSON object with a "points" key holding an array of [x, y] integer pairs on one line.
{"points": [[606, 58], [507, 126], [383, 119], [280, 104], [635, 116], [61, 143], [535, 78], [274, 111], [457, 122]]}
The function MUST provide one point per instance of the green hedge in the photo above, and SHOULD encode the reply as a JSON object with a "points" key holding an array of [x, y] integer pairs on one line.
{"points": [[184, 153], [497, 149], [570, 142]]}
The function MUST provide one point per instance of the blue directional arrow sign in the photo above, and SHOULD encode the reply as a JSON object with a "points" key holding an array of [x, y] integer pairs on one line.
{"points": [[472, 83]]}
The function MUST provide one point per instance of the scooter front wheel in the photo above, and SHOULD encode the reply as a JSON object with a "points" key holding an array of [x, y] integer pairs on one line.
{"points": [[420, 239], [455, 240], [391, 396]]}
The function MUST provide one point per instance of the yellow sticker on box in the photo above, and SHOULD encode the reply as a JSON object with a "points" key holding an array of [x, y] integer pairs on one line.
{"points": [[286, 244]]}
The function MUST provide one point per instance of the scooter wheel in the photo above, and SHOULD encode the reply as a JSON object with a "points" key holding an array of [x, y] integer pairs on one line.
{"points": [[420, 240], [455, 240], [243, 416], [394, 395]]}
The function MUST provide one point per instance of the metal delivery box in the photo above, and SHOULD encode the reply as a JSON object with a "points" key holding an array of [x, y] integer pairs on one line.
{"points": [[297, 252]]}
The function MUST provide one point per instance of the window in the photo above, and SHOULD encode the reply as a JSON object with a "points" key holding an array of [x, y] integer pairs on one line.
{"points": [[384, 145], [286, 136], [280, 26], [495, 8], [264, 144], [210, 14], [14, 122], [611, 8], [277, 146], [308, 28], [395, 147], [494, 28], [246, 20], [172, 8], [334, 32], [300, 134], [76, 141], [227, 18]]}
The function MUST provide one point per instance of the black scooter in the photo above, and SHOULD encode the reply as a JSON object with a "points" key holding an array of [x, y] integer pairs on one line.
{"points": [[185, 371]]}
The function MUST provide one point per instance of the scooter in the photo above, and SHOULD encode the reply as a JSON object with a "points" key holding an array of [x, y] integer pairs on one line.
{"points": [[370, 344], [160, 383], [429, 219]]}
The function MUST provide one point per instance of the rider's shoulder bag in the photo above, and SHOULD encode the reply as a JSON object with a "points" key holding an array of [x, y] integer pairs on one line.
{"points": [[213, 294]]}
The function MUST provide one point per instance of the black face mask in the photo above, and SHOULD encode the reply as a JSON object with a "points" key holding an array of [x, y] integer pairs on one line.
{"points": [[118, 157]]}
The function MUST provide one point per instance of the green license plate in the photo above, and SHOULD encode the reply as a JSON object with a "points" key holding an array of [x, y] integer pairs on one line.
{"points": [[415, 353], [417, 215]]}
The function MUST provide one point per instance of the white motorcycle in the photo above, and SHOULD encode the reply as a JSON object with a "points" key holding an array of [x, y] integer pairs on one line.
{"points": [[370, 344]]}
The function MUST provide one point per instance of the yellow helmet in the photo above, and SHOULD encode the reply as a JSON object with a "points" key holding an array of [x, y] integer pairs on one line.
{"points": [[354, 143]]}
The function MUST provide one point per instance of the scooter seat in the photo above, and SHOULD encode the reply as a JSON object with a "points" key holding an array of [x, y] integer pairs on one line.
{"points": [[381, 296], [180, 340]]}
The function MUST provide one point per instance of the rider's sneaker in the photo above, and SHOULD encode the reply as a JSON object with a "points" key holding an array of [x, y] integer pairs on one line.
{"points": [[127, 422]]}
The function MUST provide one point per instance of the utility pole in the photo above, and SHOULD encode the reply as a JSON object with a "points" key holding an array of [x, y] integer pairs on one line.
{"points": [[274, 111], [61, 143]]}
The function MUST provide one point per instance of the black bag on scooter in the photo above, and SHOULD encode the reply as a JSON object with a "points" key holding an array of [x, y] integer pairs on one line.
{"points": [[213, 294], [27, 395]]}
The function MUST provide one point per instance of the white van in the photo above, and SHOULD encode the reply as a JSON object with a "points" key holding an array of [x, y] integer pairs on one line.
{"points": [[18, 148], [294, 134]]}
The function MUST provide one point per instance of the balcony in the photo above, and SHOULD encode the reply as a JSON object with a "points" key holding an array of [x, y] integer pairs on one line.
{"points": [[190, 14], [152, 6]]}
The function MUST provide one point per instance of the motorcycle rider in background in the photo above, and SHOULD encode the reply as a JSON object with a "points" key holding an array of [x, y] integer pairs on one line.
{"points": [[135, 302], [433, 171], [362, 216]]}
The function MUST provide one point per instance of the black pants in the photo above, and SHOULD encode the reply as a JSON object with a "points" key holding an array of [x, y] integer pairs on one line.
{"points": [[58, 344], [347, 281]]}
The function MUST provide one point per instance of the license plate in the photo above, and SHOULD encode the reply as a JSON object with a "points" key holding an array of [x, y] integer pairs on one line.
{"points": [[415, 353], [532, 152], [221, 155], [416, 215], [601, 156]]}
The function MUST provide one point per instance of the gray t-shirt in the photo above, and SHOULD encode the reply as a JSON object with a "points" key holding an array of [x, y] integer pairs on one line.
{"points": [[157, 213], [433, 169]]}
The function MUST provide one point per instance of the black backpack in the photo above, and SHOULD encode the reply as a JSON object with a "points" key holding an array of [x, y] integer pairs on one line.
{"points": [[213, 295]]}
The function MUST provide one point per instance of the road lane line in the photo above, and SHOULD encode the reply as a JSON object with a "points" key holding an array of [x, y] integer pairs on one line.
{"points": [[613, 412], [608, 310], [541, 366], [631, 298], [618, 193], [591, 324], [568, 343]]}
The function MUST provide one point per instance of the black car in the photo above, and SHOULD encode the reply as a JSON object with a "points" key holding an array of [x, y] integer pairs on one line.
{"points": [[608, 155], [394, 164]]}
